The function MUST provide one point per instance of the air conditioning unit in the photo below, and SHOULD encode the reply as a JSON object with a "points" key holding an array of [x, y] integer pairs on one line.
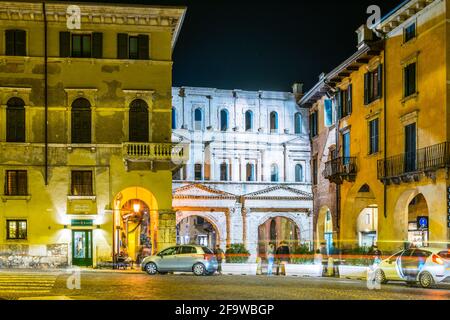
{"points": [[364, 35]]}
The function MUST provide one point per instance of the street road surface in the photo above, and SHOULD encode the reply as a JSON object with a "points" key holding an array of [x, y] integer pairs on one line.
{"points": [[112, 285]]}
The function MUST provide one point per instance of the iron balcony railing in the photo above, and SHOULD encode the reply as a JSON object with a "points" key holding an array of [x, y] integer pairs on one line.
{"points": [[156, 151], [423, 160], [342, 168]]}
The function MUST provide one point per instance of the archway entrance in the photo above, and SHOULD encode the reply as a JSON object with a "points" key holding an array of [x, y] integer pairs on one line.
{"points": [[135, 238], [367, 226], [418, 221], [197, 230], [277, 230]]}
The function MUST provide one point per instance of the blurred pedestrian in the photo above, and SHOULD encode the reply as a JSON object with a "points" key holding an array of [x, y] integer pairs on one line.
{"points": [[218, 252], [283, 256], [270, 258]]}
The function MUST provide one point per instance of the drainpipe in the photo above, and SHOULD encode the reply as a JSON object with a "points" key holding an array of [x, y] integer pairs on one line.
{"points": [[385, 123], [45, 93]]}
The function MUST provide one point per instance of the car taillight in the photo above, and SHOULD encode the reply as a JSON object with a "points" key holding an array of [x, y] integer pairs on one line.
{"points": [[437, 259]]}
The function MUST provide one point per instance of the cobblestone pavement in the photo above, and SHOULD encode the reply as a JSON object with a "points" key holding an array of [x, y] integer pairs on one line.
{"points": [[136, 286]]}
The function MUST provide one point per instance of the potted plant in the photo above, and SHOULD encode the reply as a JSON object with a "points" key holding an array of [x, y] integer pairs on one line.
{"points": [[302, 263], [355, 263], [236, 257]]}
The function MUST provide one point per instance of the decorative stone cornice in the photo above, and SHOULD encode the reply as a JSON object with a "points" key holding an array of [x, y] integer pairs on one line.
{"points": [[129, 15]]}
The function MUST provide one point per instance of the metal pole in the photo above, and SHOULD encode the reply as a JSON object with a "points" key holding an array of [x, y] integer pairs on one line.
{"points": [[45, 93]]}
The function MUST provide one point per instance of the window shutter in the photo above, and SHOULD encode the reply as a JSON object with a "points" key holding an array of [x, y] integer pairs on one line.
{"points": [[20, 43], [339, 103], [349, 99], [380, 80], [97, 45], [143, 43], [122, 46], [366, 87], [64, 44], [9, 42]]}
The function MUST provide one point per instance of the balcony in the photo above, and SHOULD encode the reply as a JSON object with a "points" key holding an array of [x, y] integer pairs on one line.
{"points": [[411, 166], [340, 169], [149, 153]]}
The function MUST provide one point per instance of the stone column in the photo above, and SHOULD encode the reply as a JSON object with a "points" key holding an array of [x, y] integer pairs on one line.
{"points": [[251, 235], [166, 234], [236, 224]]}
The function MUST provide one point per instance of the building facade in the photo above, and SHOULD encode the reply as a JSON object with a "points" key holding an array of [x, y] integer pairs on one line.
{"points": [[391, 162], [85, 131], [248, 176]]}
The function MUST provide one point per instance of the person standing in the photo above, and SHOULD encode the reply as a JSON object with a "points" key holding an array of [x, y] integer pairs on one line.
{"points": [[270, 258], [218, 252], [283, 256]]}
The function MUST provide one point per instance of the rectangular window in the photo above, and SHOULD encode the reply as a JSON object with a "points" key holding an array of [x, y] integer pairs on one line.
{"points": [[409, 32], [16, 229], [346, 147], [328, 111], [410, 79], [198, 172], [314, 124], [15, 42], [344, 99], [410, 148], [82, 183], [133, 47], [81, 45], [16, 183], [373, 136], [373, 85], [315, 170]]}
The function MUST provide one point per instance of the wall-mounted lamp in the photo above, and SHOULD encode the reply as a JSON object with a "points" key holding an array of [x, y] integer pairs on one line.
{"points": [[65, 226], [98, 226]]}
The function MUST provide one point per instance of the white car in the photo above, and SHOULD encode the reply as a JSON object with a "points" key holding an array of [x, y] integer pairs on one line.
{"points": [[427, 266]]}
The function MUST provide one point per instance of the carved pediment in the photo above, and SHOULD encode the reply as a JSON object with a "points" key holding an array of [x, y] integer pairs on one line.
{"points": [[201, 191], [279, 192]]}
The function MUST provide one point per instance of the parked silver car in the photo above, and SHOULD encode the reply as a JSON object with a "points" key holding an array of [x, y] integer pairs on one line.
{"points": [[184, 258]]}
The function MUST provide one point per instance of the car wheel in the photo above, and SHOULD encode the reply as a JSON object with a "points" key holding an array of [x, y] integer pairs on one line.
{"points": [[199, 269], [151, 268], [380, 277], [426, 280]]}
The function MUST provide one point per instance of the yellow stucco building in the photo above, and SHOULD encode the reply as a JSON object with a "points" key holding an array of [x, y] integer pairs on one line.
{"points": [[85, 131], [392, 152]]}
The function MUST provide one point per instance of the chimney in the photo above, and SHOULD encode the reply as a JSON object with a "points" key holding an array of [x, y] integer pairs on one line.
{"points": [[364, 35], [297, 90]]}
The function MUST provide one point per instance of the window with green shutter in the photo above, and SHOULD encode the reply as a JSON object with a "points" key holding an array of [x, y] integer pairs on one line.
{"points": [[373, 136], [373, 85], [134, 47], [410, 79]]}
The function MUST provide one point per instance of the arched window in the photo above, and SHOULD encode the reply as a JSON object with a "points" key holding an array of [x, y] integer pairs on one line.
{"points": [[15, 120], [198, 119], [273, 121], [298, 173], [250, 172], [81, 121], [138, 127], [274, 173], [224, 172], [223, 120], [298, 123], [174, 118], [248, 120]]}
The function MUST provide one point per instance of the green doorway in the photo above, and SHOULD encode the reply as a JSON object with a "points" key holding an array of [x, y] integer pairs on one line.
{"points": [[82, 248]]}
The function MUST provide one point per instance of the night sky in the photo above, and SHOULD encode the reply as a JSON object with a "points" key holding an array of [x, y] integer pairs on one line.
{"points": [[262, 45]]}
